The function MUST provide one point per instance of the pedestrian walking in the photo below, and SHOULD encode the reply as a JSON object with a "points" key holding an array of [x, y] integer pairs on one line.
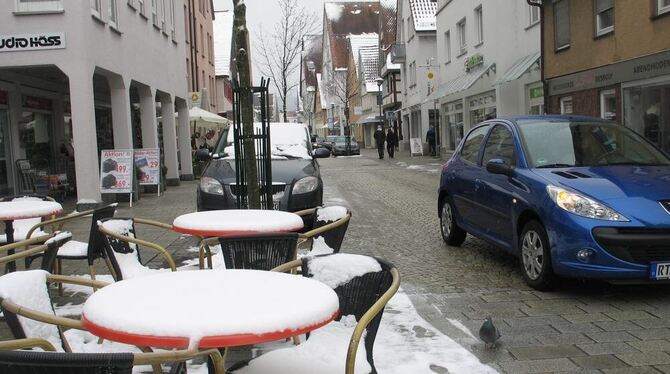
{"points": [[380, 138], [430, 139], [391, 142]]}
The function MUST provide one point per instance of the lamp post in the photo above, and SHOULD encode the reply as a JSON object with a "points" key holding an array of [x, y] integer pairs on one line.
{"points": [[332, 117], [380, 81]]}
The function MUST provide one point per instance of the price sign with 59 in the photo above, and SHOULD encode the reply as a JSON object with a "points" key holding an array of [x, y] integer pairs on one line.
{"points": [[147, 164], [116, 171]]}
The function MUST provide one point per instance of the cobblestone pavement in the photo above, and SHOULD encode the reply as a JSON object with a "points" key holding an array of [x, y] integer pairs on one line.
{"points": [[586, 327], [581, 327]]}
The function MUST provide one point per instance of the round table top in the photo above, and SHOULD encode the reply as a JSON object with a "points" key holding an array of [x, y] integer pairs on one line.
{"points": [[237, 221], [209, 308], [22, 209]]}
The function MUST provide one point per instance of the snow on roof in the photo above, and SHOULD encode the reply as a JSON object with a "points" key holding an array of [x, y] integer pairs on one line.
{"points": [[223, 38], [388, 22], [342, 19], [370, 61], [357, 42], [390, 65], [423, 13]]}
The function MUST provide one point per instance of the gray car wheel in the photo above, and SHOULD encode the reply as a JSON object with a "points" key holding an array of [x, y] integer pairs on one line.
{"points": [[535, 256], [451, 233]]}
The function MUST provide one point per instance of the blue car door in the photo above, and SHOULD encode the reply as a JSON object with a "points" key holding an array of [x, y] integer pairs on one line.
{"points": [[495, 191], [466, 171]]}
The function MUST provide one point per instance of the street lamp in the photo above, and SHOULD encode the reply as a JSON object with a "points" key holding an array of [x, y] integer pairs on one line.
{"points": [[332, 118], [380, 81]]}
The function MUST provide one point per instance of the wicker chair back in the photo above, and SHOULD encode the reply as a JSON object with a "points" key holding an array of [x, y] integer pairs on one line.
{"points": [[258, 252], [32, 362], [358, 295], [96, 241], [333, 237], [116, 248]]}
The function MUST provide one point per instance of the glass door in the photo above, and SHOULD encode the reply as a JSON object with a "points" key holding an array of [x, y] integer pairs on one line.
{"points": [[6, 187]]}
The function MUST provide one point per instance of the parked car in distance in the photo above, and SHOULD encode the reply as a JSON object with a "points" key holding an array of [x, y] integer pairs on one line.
{"points": [[328, 143], [340, 146], [296, 178], [317, 142], [570, 196]]}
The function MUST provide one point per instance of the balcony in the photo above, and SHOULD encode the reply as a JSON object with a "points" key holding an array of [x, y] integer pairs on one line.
{"points": [[398, 53]]}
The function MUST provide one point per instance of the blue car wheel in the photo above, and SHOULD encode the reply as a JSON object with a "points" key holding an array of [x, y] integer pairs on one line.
{"points": [[535, 256], [451, 233]]}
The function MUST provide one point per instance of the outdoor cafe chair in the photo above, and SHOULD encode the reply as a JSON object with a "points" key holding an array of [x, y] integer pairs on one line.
{"points": [[328, 226], [22, 226], [363, 285], [45, 246], [15, 360], [122, 247], [78, 250], [253, 251]]}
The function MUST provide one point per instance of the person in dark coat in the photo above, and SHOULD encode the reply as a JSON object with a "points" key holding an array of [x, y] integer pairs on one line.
{"points": [[430, 139], [391, 142], [380, 138]]}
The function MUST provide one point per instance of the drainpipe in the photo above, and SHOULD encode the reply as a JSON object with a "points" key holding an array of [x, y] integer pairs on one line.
{"points": [[545, 88]]}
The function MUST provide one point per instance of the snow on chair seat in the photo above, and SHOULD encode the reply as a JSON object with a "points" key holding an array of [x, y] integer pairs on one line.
{"points": [[364, 285], [121, 246], [328, 228]]}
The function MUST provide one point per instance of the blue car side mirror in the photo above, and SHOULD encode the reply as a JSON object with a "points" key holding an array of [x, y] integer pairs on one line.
{"points": [[498, 166]]}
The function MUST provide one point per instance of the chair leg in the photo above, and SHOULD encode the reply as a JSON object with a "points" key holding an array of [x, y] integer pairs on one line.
{"points": [[59, 270], [91, 271], [111, 268]]}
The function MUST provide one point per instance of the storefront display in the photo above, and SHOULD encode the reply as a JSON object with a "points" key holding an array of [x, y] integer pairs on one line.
{"points": [[536, 99], [482, 107], [647, 111], [454, 122]]}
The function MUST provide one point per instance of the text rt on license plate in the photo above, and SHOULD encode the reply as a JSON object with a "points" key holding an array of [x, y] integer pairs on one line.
{"points": [[659, 270]]}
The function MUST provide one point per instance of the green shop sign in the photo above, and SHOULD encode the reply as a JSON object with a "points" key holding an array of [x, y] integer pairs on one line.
{"points": [[536, 92], [473, 61]]}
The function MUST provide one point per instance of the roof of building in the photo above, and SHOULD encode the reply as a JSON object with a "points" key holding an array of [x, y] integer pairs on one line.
{"points": [[369, 57], [423, 13], [342, 19], [223, 41], [312, 55], [388, 23], [357, 42]]}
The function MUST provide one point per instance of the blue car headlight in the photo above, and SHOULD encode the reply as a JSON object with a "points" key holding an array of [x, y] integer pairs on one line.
{"points": [[211, 185], [305, 185], [583, 206]]}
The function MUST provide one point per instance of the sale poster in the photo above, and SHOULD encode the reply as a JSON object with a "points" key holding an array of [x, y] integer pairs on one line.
{"points": [[116, 171], [147, 163]]}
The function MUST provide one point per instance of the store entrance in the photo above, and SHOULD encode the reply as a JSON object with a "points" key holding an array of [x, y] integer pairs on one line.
{"points": [[6, 186]]}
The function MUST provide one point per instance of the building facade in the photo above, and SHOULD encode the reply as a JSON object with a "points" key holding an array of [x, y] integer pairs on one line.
{"points": [[223, 41], [200, 70], [389, 71], [611, 59], [362, 87], [487, 68], [416, 51], [77, 77]]}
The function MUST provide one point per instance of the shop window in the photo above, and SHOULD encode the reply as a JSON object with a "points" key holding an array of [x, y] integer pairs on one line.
{"points": [[646, 111], [608, 104], [473, 143], [561, 24], [533, 14], [566, 105], [663, 6], [38, 6], [604, 16], [482, 107], [536, 100], [479, 23], [454, 122], [462, 40]]}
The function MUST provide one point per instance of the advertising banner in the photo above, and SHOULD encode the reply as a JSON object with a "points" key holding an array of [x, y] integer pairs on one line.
{"points": [[31, 42], [147, 162], [416, 147], [116, 171]]}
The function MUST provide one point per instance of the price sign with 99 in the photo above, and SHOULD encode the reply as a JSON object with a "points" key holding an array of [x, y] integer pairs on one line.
{"points": [[122, 168], [116, 171]]}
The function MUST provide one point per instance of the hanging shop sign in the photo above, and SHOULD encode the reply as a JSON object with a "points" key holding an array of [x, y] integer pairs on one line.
{"points": [[116, 171], [32, 42], [474, 61], [148, 165], [195, 99], [631, 70], [536, 93]]}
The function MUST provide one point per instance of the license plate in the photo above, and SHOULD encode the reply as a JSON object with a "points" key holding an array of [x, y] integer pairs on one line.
{"points": [[659, 270], [275, 204]]}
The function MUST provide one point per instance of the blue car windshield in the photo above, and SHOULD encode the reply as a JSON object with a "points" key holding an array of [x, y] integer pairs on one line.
{"points": [[554, 144]]}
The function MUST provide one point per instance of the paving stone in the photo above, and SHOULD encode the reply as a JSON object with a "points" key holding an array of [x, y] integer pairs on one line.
{"points": [[598, 362], [629, 315], [611, 336], [618, 326], [653, 323], [576, 327], [538, 366], [560, 339], [628, 370], [652, 334], [651, 345], [587, 317], [537, 353], [606, 348], [645, 358]]}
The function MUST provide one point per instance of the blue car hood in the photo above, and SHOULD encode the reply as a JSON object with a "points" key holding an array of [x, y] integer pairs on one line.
{"points": [[634, 191]]}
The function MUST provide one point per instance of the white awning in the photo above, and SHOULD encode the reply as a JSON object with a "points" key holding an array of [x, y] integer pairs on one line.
{"points": [[459, 84], [519, 68]]}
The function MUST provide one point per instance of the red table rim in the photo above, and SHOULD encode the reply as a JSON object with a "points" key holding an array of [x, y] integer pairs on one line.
{"points": [[53, 212], [198, 232], [206, 342]]}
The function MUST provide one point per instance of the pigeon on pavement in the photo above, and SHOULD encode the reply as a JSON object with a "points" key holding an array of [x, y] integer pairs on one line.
{"points": [[488, 333]]}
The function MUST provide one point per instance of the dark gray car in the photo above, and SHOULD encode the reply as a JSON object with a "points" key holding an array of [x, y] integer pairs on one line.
{"points": [[296, 178]]}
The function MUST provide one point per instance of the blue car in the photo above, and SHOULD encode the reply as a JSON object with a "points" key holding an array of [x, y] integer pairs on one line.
{"points": [[570, 196]]}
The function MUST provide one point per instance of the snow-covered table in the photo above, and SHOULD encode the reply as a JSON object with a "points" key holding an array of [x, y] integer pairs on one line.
{"points": [[24, 209], [237, 221], [209, 308]]}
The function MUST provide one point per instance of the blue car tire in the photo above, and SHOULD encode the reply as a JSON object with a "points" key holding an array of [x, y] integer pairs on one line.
{"points": [[451, 233], [535, 257]]}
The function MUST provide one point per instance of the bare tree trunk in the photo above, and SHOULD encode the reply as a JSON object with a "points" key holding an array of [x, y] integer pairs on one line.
{"points": [[284, 105], [246, 104]]}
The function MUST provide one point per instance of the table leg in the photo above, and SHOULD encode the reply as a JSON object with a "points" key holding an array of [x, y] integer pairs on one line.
{"points": [[9, 232]]}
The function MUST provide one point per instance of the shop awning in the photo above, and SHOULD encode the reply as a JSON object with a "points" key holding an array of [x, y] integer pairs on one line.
{"points": [[519, 68], [370, 119], [205, 119], [459, 84]]}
